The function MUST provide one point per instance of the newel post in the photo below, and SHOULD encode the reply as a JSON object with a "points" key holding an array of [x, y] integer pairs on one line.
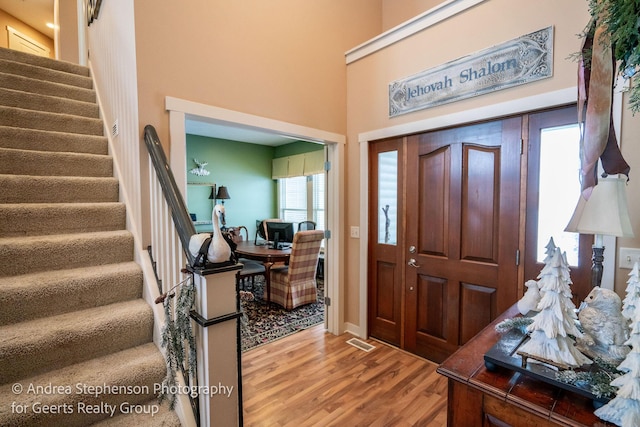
{"points": [[217, 314]]}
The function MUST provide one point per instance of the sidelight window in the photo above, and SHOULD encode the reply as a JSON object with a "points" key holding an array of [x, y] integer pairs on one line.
{"points": [[388, 197], [559, 189]]}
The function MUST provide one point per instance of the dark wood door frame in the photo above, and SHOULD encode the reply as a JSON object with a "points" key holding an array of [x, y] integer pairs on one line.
{"points": [[528, 210], [581, 274]]}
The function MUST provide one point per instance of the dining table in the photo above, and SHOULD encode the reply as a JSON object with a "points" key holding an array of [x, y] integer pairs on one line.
{"points": [[265, 254]]}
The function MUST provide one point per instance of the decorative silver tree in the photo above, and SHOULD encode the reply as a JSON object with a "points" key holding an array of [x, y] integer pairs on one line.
{"points": [[624, 409], [632, 298], [553, 328]]}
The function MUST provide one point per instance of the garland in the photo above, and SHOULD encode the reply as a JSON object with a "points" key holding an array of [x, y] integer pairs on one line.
{"points": [[599, 381], [176, 333], [619, 19]]}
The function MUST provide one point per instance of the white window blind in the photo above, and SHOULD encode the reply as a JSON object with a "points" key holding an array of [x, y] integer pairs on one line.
{"points": [[302, 198], [293, 199]]}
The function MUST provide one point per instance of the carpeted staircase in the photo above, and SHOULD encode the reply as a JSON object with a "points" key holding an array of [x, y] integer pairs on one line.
{"points": [[72, 315]]}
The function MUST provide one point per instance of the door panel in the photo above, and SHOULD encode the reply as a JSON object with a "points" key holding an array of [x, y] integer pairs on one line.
{"points": [[466, 205], [475, 320], [386, 309], [385, 256], [480, 204], [432, 306], [433, 207]]}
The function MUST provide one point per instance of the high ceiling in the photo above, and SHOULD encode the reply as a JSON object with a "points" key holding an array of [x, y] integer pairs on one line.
{"points": [[35, 13]]}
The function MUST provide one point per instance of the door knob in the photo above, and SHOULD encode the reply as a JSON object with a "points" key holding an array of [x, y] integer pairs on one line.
{"points": [[412, 263]]}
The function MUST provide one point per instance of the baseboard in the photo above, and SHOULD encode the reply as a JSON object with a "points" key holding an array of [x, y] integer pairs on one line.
{"points": [[354, 330]]}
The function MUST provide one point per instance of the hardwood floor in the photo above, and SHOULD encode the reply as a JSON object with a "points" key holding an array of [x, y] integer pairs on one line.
{"points": [[313, 378]]}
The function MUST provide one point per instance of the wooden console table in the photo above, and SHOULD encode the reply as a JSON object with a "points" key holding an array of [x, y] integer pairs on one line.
{"points": [[501, 398]]}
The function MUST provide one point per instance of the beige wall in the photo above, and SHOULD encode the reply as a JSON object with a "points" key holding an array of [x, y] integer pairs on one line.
{"points": [[395, 12], [281, 59], [10, 20], [485, 25], [284, 59], [68, 35], [631, 151]]}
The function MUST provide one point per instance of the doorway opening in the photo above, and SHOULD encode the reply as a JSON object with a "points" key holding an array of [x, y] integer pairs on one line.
{"points": [[182, 113]]}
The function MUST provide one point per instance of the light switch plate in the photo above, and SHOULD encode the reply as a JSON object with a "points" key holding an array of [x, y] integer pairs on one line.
{"points": [[628, 257], [355, 231]]}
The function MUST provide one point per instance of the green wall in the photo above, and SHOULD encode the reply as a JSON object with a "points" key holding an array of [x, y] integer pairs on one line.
{"points": [[298, 147], [245, 169]]}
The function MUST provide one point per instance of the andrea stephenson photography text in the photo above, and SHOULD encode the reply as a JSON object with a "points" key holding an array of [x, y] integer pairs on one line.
{"points": [[93, 399]]}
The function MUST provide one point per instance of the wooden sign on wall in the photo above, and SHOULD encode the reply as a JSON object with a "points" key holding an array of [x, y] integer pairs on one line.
{"points": [[519, 61]]}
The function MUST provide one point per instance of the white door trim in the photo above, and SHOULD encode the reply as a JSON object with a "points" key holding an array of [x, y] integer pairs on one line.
{"points": [[180, 109]]}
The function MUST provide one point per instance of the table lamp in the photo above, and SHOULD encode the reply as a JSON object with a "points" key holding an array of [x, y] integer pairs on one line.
{"points": [[605, 213], [212, 196], [223, 194]]}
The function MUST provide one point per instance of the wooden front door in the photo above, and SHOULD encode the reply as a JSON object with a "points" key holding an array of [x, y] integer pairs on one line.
{"points": [[463, 204], [458, 226]]}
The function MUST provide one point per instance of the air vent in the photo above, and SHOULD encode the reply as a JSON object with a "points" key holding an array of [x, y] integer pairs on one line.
{"points": [[360, 344]]}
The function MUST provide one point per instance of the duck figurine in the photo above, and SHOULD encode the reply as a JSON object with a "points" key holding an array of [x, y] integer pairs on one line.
{"points": [[219, 249]]}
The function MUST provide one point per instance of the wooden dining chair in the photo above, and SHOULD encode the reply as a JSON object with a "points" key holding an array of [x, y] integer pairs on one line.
{"points": [[250, 269], [294, 284]]}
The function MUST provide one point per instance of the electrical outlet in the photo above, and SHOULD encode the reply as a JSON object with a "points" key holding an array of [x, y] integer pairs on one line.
{"points": [[628, 257], [355, 232]]}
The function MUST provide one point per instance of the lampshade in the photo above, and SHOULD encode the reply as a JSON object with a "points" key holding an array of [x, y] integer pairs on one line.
{"points": [[223, 194], [605, 213], [212, 196]]}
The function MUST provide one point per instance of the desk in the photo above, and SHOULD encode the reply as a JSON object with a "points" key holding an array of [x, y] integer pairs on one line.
{"points": [[266, 255], [478, 397]]}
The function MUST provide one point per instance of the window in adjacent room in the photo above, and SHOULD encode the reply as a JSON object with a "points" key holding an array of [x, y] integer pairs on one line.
{"points": [[301, 198]]}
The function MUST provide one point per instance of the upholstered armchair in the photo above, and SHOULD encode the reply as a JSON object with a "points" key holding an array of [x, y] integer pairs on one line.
{"points": [[294, 285]]}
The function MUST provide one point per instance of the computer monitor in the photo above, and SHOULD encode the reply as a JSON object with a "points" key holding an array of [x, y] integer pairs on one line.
{"points": [[279, 233]]}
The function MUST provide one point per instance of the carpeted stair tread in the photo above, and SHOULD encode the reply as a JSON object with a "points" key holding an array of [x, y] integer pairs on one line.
{"points": [[74, 312], [141, 367], [45, 73], [52, 104], [36, 295], [26, 84], [34, 139], [31, 254], [42, 120], [54, 64], [47, 163], [35, 219], [41, 345], [57, 189]]}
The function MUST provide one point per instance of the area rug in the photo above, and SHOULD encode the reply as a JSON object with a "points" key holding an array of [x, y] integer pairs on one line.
{"points": [[263, 323]]}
